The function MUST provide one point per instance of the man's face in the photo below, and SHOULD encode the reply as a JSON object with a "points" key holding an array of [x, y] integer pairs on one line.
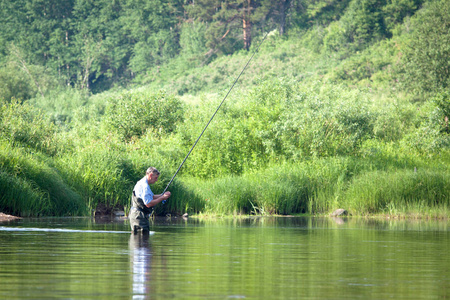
{"points": [[152, 178]]}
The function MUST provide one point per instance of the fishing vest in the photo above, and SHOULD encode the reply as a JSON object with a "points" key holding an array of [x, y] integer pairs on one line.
{"points": [[139, 214]]}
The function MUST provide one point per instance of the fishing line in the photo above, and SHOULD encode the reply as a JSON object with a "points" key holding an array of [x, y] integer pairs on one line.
{"points": [[193, 146]]}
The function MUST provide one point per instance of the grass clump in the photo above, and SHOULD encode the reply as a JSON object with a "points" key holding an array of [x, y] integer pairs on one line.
{"points": [[398, 192], [32, 187]]}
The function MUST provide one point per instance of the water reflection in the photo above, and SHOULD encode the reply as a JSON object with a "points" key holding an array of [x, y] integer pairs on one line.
{"points": [[256, 258], [338, 220], [140, 258]]}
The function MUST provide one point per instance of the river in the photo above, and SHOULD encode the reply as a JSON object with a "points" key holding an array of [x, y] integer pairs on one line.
{"points": [[242, 258]]}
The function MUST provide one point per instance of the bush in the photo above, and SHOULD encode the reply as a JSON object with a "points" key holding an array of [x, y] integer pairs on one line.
{"points": [[430, 135], [442, 101], [61, 104], [23, 125], [333, 121], [132, 113], [15, 84]]}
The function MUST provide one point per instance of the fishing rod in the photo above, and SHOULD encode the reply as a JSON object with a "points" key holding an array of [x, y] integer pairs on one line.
{"points": [[212, 117]]}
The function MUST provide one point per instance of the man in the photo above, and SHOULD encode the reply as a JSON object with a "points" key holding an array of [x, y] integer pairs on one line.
{"points": [[143, 200]]}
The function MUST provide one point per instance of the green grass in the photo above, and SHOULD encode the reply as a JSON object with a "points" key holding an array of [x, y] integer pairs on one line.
{"points": [[320, 186], [32, 187], [399, 192]]}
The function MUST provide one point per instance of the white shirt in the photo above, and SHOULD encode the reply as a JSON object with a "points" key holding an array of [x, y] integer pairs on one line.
{"points": [[142, 190]]}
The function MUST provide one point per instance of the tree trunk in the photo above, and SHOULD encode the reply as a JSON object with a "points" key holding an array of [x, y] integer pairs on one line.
{"points": [[247, 26], [283, 12], [247, 34]]}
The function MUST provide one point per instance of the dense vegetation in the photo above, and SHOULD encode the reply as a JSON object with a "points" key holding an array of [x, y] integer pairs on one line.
{"points": [[346, 104]]}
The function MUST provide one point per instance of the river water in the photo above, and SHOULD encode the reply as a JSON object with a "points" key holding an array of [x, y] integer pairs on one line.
{"points": [[253, 258]]}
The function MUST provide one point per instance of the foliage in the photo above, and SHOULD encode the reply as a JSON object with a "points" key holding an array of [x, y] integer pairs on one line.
{"points": [[23, 125], [133, 113], [363, 22], [395, 11], [96, 45], [429, 135], [14, 84], [227, 18], [372, 67], [442, 101], [425, 62], [91, 44]]}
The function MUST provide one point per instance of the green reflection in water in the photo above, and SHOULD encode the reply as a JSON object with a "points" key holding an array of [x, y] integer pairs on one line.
{"points": [[256, 258]]}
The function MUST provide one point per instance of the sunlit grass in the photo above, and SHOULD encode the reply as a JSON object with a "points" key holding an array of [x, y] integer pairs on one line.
{"points": [[31, 187], [399, 193], [320, 186]]}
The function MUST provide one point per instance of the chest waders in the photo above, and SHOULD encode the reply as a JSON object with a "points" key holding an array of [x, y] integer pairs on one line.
{"points": [[139, 214]]}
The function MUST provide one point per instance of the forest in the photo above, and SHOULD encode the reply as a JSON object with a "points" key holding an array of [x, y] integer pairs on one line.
{"points": [[344, 104]]}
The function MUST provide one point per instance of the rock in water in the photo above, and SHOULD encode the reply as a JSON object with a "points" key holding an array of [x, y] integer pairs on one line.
{"points": [[5, 217], [339, 212]]}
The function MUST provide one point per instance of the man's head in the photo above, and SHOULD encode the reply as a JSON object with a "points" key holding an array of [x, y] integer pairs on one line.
{"points": [[152, 175]]}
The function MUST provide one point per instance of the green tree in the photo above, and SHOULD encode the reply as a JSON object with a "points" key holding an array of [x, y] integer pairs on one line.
{"points": [[425, 60], [155, 28], [40, 29], [98, 30], [363, 22], [227, 19], [323, 12], [396, 10], [15, 84], [442, 101]]}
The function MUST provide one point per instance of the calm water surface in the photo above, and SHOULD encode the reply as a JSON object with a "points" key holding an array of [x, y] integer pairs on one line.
{"points": [[257, 258]]}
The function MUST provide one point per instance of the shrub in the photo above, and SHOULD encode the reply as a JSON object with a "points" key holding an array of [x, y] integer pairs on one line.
{"points": [[15, 84], [442, 101], [334, 121], [132, 113], [23, 125]]}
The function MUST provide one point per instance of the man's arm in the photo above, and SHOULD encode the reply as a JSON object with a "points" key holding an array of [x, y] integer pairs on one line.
{"points": [[158, 198]]}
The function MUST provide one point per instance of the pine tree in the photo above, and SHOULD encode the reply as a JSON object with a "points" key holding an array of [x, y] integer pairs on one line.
{"points": [[226, 19]]}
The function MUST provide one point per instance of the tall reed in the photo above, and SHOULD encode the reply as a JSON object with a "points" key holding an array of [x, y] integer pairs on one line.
{"points": [[307, 187], [32, 187], [320, 186], [19, 197], [398, 192]]}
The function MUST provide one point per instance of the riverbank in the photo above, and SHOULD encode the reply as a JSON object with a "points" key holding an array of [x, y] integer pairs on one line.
{"points": [[338, 154]]}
